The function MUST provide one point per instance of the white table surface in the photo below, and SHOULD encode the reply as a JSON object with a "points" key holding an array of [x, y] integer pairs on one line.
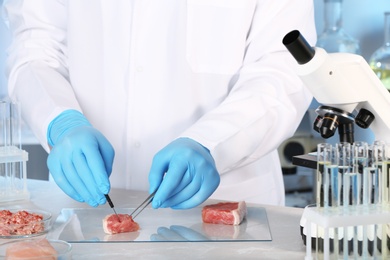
{"points": [[283, 221]]}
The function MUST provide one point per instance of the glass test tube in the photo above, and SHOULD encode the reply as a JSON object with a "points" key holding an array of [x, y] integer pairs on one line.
{"points": [[385, 174], [326, 169], [344, 154], [374, 172], [345, 168], [359, 162], [322, 154], [333, 178]]}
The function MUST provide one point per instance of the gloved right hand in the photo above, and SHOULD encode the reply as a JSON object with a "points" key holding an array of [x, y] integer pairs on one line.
{"points": [[81, 158], [183, 174]]}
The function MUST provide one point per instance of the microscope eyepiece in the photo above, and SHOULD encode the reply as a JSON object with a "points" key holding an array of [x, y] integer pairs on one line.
{"points": [[299, 48]]}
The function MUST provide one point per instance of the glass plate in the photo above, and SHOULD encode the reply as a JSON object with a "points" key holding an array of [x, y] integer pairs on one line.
{"points": [[161, 225]]}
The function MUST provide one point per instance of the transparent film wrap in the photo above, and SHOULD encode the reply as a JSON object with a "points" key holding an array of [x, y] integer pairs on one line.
{"points": [[13, 159]]}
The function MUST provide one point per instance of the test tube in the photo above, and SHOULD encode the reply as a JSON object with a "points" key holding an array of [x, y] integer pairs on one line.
{"points": [[344, 154], [369, 179], [323, 154], [328, 191], [385, 174], [344, 161], [359, 162], [360, 192], [374, 168], [10, 125], [334, 173]]}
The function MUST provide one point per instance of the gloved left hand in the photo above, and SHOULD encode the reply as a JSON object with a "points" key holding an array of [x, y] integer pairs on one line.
{"points": [[184, 175], [81, 158]]}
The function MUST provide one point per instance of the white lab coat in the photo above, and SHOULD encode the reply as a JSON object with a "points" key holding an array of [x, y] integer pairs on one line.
{"points": [[145, 72]]}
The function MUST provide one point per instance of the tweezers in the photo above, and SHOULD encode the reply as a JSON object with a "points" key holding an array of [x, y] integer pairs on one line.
{"points": [[143, 205]]}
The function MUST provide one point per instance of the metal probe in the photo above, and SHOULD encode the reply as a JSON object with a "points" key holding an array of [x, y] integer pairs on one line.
{"points": [[111, 205]]}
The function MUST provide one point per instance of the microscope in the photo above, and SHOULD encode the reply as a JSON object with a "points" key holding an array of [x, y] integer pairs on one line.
{"points": [[349, 93], [346, 87]]}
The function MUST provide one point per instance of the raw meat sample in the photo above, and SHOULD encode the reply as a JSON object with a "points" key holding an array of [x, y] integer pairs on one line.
{"points": [[20, 223], [36, 249], [227, 213], [125, 223]]}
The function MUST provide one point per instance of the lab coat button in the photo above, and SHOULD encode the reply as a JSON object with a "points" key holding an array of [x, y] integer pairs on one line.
{"points": [[139, 68], [137, 144]]}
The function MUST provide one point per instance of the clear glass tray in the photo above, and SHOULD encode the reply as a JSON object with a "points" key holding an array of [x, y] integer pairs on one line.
{"points": [[161, 225]]}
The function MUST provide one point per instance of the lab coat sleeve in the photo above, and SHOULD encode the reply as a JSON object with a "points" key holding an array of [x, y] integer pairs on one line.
{"points": [[268, 101], [37, 58]]}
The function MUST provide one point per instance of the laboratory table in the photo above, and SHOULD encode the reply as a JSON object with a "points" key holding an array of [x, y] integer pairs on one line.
{"points": [[286, 240]]}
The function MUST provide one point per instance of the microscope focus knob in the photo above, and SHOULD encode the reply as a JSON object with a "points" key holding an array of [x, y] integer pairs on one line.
{"points": [[364, 118]]}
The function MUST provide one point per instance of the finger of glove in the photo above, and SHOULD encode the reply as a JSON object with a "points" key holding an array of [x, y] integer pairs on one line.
{"points": [[185, 195], [55, 168], [187, 233], [186, 179], [107, 152], [87, 177], [196, 192], [158, 237], [171, 181], [74, 178], [169, 234], [157, 172], [96, 165]]}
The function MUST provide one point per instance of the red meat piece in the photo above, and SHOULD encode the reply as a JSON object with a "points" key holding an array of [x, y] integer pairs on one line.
{"points": [[125, 223], [227, 213]]}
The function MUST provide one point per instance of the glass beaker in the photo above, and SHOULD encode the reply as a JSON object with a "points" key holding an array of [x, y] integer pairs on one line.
{"points": [[334, 38], [12, 158], [380, 59]]}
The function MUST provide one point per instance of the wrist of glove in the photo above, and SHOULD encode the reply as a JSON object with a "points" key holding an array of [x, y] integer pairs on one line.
{"points": [[184, 175], [81, 158]]}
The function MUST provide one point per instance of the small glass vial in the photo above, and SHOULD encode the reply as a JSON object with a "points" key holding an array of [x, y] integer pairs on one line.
{"points": [[380, 59], [334, 38]]}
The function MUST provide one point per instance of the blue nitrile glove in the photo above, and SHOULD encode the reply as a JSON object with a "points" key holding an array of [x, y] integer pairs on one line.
{"points": [[81, 158], [184, 175]]}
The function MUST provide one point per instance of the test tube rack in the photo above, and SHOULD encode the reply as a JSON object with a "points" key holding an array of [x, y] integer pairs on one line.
{"points": [[13, 174], [366, 230], [353, 224]]}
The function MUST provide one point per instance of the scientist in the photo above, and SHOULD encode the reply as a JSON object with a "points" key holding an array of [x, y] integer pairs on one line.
{"points": [[194, 96]]}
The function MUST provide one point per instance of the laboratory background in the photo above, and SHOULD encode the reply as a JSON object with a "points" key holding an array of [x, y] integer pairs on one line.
{"points": [[363, 20]]}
